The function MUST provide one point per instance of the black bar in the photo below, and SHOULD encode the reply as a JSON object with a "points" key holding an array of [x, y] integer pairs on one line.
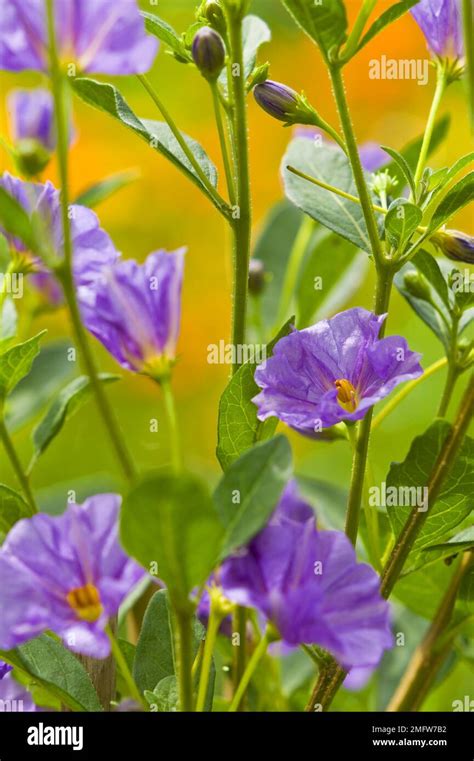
{"points": [[137, 735]]}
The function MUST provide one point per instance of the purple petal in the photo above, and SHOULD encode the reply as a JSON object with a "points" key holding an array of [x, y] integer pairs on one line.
{"points": [[440, 22]]}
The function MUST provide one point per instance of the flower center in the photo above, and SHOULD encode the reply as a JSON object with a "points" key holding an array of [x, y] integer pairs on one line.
{"points": [[85, 601], [346, 394]]}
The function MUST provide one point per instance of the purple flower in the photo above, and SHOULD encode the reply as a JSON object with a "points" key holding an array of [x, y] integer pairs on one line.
{"points": [[98, 36], [372, 156], [308, 584], [14, 697], [66, 573], [335, 370], [5, 668], [92, 247], [32, 116], [135, 309], [440, 22]]}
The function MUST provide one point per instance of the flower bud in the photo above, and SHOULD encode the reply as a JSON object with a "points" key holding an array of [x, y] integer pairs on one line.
{"points": [[209, 53], [257, 278], [31, 157], [455, 245], [417, 285], [211, 12], [285, 104]]}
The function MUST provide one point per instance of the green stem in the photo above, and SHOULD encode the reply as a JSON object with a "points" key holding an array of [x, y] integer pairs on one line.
{"points": [[170, 406], [215, 620], [333, 677], [65, 270], [90, 367], [406, 390], [359, 464], [124, 669], [353, 40], [295, 260], [441, 83], [353, 153], [451, 378], [184, 657], [17, 466], [242, 223], [431, 652], [223, 142], [239, 626], [205, 181], [257, 655], [371, 514]]}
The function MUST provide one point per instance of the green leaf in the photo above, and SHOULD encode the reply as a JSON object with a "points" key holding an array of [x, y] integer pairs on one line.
{"points": [[167, 34], [15, 220], [332, 166], [101, 191], [170, 522], [165, 696], [407, 481], [273, 248], [388, 17], [56, 668], [16, 363], [69, 401], [50, 370], [325, 23], [458, 196], [154, 659], [238, 427], [8, 321], [326, 283], [437, 317], [403, 165], [462, 541], [401, 221], [158, 135], [250, 489], [423, 590], [12, 508]]}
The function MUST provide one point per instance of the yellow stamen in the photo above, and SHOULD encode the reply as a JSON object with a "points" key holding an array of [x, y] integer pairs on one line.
{"points": [[346, 394], [85, 601]]}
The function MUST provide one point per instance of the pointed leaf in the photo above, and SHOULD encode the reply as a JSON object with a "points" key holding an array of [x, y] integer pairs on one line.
{"points": [[388, 17], [332, 166], [12, 508], [459, 195], [104, 189], [324, 22], [16, 363], [250, 489]]}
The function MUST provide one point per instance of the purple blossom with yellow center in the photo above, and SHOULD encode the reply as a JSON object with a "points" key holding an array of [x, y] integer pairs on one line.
{"points": [[440, 22], [135, 311], [98, 36], [335, 370], [92, 247], [308, 584], [65, 573]]}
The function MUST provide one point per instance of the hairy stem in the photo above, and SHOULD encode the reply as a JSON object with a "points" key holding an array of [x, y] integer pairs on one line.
{"points": [[207, 185], [65, 271], [441, 83], [257, 655], [168, 396], [295, 260], [20, 473], [184, 657]]}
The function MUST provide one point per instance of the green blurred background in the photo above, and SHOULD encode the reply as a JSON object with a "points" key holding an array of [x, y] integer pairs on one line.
{"points": [[162, 209]]}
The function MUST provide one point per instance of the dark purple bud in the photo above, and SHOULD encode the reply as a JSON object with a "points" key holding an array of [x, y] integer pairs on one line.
{"points": [[455, 245], [284, 104], [209, 52], [257, 277]]}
